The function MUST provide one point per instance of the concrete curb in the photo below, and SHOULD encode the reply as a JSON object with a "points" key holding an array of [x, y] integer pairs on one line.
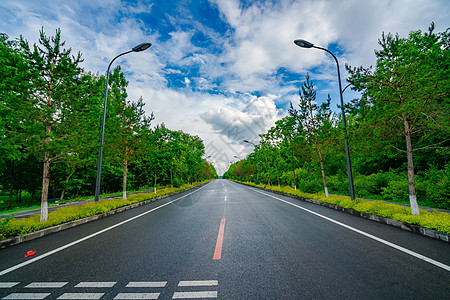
{"points": [[46, 231], [405, 226]]}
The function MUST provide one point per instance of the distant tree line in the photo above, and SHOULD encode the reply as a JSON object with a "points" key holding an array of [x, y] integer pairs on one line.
{"points": [[399, 130], [50, 119]]}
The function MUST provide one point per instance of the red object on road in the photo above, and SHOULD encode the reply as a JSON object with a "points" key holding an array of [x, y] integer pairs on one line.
{"points": [[30, 253]]}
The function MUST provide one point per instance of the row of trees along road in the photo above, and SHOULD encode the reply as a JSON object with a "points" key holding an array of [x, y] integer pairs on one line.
{"points": [[399, 130], [50, 116]]}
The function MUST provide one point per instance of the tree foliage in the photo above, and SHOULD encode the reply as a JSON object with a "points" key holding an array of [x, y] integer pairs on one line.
{"points": [[399, 130], [50, 117]]}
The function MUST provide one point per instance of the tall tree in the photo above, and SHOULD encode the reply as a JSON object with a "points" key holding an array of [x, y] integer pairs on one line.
{"points": [[407, 95], [50, 106], [316, 121], [127, 123], [15, 77]]}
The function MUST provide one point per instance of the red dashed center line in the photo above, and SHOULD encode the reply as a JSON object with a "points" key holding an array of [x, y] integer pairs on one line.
{"points": [[218, 251]]}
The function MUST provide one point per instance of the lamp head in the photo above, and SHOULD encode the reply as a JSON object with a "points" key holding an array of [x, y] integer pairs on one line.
{"points": [[303, 43], [141, 47]]}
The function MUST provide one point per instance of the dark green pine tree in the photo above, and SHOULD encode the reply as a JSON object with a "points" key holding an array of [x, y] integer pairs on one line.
{"points": [[53, 105]]}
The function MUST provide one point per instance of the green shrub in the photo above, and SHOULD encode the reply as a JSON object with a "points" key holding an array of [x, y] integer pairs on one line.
{"points": [[397, 190]]}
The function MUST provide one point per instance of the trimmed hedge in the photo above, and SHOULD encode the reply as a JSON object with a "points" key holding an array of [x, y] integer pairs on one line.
{"points": [[10, 227], [439, 221]]}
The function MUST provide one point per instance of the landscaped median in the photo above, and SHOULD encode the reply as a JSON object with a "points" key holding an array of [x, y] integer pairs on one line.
{"points": [[12, 229], [435, 224]]}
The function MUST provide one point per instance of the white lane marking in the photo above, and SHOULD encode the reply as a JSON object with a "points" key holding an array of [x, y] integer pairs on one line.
{"points": [[194, 295], [137, 296], [27, 296], [199, 283], [81, 296], [13, 268], [51, 285], [146, 284], [95, 284], [7, 285], [400, 248]]}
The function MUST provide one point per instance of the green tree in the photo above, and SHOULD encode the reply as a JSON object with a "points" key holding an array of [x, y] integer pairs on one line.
{"points": [[15, 77], [407, 94], [127, 124], [316, 121], [50, 107]]}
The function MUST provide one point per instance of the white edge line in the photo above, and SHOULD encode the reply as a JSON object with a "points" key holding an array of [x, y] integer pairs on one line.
{"points": [[400, 248], [13, 268]]}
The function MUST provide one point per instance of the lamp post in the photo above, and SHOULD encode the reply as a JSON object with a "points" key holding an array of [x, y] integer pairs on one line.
{"points": [[138, 48], [256, 168], [306, 44]]}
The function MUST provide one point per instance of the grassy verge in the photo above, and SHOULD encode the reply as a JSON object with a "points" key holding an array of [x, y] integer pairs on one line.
{"points": [[439, 221], [11, 227]]}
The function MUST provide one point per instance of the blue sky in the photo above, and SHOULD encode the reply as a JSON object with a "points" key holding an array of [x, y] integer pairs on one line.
{"points": [[224, 70]]}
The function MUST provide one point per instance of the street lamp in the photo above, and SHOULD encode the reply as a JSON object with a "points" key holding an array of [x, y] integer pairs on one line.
{"points": [[249, 142], [306, 44], [138, 48], [255, 165]]}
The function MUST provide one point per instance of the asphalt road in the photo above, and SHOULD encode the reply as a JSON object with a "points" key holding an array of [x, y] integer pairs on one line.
{"points": [[228, 241]]}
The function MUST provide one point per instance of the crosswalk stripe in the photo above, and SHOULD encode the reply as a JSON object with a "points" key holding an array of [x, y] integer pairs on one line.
{"points": [[194, 295], [198, 283], [81, 296], [7, 285], [137, 296], [146, 284], [46, 285], [95, 284], [23, 296]]}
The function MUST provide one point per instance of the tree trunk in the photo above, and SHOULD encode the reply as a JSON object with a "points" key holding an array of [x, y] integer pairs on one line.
{"points": [[11, 192], [278, 177], [19, 194], [45, 183], [181, 172], [125, 170], [411, 182], [64, 189], [323, 173], [295, 183]]}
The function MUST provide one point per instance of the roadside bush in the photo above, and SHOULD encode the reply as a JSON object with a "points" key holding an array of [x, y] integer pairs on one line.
{"points": [[397, 191], [433, 187]]}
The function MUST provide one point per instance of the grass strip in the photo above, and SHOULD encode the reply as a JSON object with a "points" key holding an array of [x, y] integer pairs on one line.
{"points": [[10, 227], [439, 221]]}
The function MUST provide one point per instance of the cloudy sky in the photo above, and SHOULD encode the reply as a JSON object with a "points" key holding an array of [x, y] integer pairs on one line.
{"points": [[224, 70]]}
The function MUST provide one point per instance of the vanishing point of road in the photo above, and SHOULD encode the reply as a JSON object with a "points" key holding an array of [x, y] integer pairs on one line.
{"points": [[224, 240]]}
